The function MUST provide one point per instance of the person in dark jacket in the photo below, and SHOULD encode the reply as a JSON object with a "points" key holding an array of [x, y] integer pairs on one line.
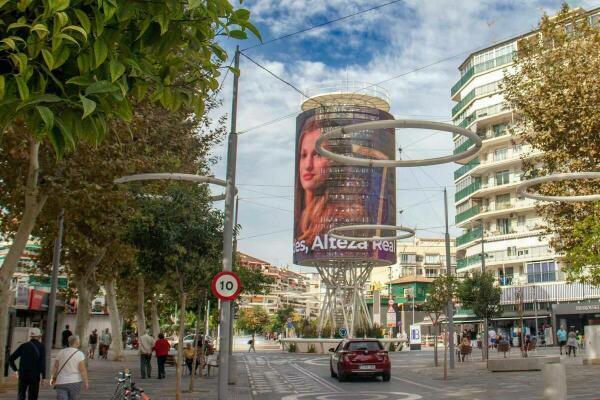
{"points": [[32, 365], [66, 334]]}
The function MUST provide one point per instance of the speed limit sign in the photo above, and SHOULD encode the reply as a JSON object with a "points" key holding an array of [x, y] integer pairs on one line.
{"points": [[226, 285]]}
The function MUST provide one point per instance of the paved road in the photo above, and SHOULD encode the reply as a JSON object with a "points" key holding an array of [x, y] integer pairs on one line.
{"points": [[285, 376]]}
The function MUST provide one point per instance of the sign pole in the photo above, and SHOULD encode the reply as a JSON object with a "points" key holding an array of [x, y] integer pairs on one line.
{"points": [[49, 334], [450, 306], [225, 317]]}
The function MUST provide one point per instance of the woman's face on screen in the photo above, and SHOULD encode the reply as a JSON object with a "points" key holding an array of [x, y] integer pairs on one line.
{"points": [[313, 166]]}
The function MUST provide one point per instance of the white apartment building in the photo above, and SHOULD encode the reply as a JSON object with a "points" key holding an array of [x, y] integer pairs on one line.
{"points": [[487, 206]]}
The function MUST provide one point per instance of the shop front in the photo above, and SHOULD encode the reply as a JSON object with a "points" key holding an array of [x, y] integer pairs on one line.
{"points": [[575, 316]]}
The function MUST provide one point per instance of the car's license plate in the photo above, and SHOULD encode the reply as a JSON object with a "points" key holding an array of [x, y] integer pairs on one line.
{"points": [[366, 366]]}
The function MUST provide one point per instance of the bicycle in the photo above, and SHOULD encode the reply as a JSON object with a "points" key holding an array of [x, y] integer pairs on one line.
{"points": [[126, 389]]}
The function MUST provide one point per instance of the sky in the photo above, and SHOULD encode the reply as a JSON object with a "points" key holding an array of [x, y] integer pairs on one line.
{"points": [[418, 43]]}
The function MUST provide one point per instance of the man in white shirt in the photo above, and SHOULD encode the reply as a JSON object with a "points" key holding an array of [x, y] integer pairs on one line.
{"points": [[146, 343], [69, 373]]}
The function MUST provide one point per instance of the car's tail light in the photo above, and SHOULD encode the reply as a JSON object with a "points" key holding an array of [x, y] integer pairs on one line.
{"points": [[382, 354]]}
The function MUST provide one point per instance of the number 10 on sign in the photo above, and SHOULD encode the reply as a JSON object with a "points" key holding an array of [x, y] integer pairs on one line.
{"points": [[226, 285]]}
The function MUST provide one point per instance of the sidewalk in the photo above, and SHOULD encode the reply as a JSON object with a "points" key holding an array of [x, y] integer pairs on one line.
{"points": [[103, 382]]}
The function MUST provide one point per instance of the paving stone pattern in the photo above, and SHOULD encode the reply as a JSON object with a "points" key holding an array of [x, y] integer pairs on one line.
{"points": [[103, 382]]}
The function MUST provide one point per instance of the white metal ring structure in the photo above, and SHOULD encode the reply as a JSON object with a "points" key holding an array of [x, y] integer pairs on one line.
{"points": [[409, 232], [569, 176], [339, 133], [177, 177]]}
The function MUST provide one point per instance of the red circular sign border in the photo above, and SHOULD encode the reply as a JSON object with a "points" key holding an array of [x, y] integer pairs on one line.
{"points": [[213, 286]]}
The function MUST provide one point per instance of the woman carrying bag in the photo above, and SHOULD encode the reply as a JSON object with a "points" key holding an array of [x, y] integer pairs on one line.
{"points": [[69, 373]]}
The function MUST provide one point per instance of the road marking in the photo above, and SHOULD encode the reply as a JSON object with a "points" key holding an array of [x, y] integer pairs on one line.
{"points": [[370, 395], [417, 384], [318, 378]]}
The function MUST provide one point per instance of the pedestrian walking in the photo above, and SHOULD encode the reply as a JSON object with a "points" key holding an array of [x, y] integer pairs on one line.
{"points": [[92, 343], [65, 337], [465, 348], [161, 348], [188, 354], [105, 341], [251, 343], [32, 365], [69, 373], [572, 343], [146, 344], [561, 335]]}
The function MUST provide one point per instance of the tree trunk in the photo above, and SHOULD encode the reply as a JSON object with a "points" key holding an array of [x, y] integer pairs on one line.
{"points": [[33, 205], [484, 345], [140, 314], [155, 321], [115, 319], [183, 298], [196, 334], [435, 349], [83, 311], [446, 339]]}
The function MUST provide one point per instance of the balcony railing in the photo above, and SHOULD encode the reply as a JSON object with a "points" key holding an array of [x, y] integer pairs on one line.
{"points": [[472, 188], [467, 120], [471, 212], [464, 146], [548, 292], [479, 68], [468, 237], [468, 261], [465, 100], [466, 168]]}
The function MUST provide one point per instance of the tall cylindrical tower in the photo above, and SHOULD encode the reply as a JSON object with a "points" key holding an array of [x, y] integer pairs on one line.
{"points": [[328, 194]]}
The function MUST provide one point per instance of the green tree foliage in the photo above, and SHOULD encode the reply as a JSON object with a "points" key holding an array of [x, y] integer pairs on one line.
{"points": [[440, 294], [479, 293], [67, 66], [585, 253], [253, 320], [555, 91]]}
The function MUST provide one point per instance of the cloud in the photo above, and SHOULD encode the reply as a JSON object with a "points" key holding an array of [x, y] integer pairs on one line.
{"points": [[371, 47]]}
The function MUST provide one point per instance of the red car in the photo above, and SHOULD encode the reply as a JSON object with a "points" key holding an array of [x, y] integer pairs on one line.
{"points": [[359, 357]]}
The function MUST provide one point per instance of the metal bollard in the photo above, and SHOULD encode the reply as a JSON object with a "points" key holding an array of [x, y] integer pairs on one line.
{"points": [[555, 381]]}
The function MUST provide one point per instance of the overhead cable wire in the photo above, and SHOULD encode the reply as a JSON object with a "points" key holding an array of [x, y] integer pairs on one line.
{"points": [[310, 28]]}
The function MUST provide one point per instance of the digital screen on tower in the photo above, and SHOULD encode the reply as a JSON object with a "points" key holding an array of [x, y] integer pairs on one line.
{"points": [[329, 194]]}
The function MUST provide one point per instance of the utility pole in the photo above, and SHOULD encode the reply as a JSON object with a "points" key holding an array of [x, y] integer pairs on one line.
{"points": [[225, 359], [53, 289], [450, 307]]}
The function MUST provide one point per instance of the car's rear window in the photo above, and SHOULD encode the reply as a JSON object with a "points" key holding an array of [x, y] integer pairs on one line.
{"points": [[357, 346]]}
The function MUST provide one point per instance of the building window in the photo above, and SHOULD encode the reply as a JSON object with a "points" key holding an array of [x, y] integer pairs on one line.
{"points": [[521, 219], [594, 19], [408, 258], [502, 177], [431, 273], [503, 225], [432, 258], [503, 201], [500, 154], [505, 277], [544, 271], [500, 129]]}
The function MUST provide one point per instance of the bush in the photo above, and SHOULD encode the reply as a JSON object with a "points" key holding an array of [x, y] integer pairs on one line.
{"points": [[312, 349], [292, 348]]}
